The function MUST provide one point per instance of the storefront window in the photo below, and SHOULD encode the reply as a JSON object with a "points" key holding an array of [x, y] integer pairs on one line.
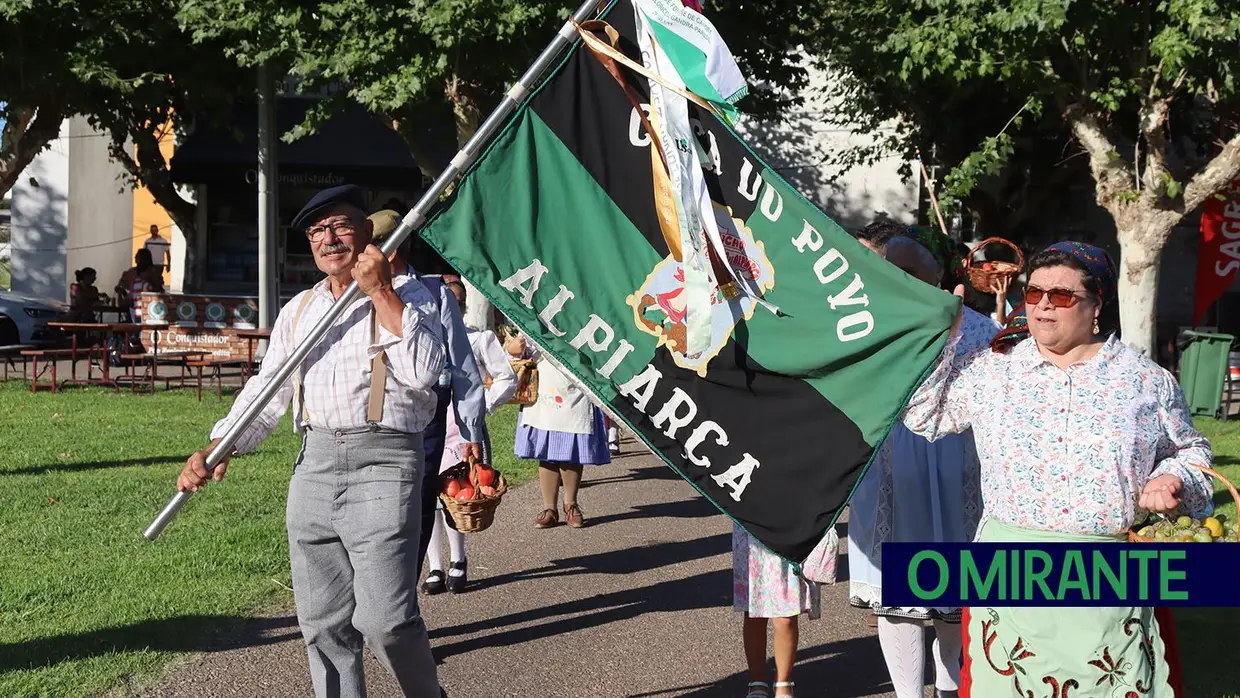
{"points": [[231, 264]]}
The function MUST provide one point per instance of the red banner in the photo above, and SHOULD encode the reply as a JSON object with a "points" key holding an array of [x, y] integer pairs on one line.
{"points": [[1218, 257]]}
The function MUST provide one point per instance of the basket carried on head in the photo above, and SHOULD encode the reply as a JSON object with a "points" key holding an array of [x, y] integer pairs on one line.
{"points": [[987, 276], [477, 514], [1134, 537]]}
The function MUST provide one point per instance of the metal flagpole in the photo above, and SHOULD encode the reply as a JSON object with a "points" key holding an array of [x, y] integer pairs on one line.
{"points": [[268, 191], [414, 219]]}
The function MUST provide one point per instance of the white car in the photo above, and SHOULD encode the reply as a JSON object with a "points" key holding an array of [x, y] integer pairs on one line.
{"points": [[23, 319]]}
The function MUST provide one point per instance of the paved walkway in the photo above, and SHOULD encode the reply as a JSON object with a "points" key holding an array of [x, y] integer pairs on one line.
{"points": [[636, 605]]}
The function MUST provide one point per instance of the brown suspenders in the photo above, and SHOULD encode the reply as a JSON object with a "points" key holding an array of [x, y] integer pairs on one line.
{"points": [[378, 372]]}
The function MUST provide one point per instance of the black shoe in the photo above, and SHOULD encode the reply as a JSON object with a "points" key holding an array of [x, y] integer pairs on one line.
{"points": [[434, 583], [456, 584]]}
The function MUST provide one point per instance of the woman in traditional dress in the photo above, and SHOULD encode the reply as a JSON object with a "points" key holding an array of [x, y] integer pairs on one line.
{"points": [[501, 383], [1079, 437], [766, 589], [916, 491], [564, 431]]}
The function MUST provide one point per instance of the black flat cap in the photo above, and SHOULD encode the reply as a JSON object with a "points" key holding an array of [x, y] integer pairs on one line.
{"points": [[343, 194]]}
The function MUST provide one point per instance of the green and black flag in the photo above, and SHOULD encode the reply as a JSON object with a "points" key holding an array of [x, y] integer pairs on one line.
{"points": [[558, 224]]}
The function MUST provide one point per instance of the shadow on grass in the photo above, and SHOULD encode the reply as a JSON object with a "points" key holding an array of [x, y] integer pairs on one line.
{"points": [[1222, 497], [1207, 651], [177, 634], [70, 466]]}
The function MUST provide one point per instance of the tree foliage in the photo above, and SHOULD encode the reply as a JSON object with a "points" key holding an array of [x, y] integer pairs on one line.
{"points": [[1145, 90], [433, 68], [56, 55], [956, 74], [125, 65]]}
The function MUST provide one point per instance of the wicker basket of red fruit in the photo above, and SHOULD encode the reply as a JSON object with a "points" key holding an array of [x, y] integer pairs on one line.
{"points": [[987, 276], [471, 492]]}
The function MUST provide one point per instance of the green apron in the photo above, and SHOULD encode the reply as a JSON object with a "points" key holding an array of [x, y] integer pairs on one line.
{"points": [[1062, 652]]}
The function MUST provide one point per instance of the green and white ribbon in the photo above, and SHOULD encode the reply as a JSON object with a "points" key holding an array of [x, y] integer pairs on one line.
{"points": [[671, 112], [696, 52]]}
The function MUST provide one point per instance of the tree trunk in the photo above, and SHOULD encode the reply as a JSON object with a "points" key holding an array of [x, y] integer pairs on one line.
{"points": [[145, 163], [479, 314], [425, 127], [1141, 243], [23, 136]]}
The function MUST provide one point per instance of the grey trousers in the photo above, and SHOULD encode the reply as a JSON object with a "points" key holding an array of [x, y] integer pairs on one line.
{"points": [[353, 520]]}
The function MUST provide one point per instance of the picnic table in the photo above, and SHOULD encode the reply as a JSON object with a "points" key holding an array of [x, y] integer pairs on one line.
{"points": [[8, 351], [89, 331], [151, 360]]}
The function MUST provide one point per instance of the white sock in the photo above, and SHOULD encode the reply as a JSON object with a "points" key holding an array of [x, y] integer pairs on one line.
{"points": [[613, 435], [903, 649], [947, 645], [433, 561], [456, 550]]}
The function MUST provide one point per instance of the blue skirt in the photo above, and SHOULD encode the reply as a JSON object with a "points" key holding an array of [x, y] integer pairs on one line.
{"points": [[564, 447], [915, 491]]}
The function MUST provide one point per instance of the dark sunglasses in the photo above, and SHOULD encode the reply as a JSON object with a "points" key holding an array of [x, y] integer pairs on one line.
{"points": [[1059, 297]]}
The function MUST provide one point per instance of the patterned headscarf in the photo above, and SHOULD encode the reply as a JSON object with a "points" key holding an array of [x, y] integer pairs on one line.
{"points": [[1014, 332], [942, 248], [1097, 261]]}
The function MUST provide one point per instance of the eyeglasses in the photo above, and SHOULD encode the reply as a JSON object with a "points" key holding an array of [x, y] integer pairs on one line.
{"points": [[338, 228], [1059, 297]]}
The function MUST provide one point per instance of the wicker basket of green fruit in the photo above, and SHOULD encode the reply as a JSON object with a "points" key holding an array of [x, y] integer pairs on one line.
{"points": [[1185, 529]]}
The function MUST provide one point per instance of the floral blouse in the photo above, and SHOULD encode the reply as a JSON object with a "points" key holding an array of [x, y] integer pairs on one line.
{"points": [[1064, 450]]}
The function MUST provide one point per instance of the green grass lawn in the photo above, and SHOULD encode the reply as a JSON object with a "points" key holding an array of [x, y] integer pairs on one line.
{"points": [[1207, 635], [86, 602]]}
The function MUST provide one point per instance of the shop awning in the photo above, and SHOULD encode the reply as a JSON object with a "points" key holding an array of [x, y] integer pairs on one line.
{"points": [[352, 146]]}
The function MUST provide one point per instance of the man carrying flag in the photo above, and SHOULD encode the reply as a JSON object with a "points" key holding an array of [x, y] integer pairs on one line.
{"points": [[361, 400]]}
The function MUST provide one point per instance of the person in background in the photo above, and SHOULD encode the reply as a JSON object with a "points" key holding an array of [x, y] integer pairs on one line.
{"points": [[995, 305], [501, 382], [361, 400], [915, 491], [159, 249], [83, 296], [1079, 438], [767, 590], [460, 382], [141, 278], [563, 430]]}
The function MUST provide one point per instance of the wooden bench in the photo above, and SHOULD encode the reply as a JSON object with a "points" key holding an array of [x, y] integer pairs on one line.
{"points": [[151, 363], [8, 351], [216, 366], [53, 354]]}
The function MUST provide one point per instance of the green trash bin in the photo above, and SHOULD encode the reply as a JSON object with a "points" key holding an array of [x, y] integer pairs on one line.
{"points": [[1203, 371]]}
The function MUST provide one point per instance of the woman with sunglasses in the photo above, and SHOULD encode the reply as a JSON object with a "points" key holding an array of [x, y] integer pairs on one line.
{"points": [[1079, 437]]}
